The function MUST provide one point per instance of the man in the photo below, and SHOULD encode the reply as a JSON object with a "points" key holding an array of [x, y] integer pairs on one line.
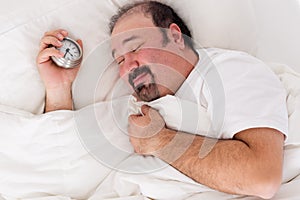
{"points": [[248, 163]]}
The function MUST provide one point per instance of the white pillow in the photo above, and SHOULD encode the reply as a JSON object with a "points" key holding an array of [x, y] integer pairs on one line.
{"points": [[23, 25], [224, 24]]}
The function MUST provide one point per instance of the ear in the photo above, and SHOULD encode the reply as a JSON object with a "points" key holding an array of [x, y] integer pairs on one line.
{"points": [[176, 35]]}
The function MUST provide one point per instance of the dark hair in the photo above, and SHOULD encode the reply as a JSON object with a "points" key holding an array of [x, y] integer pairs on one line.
{"points": [[162, 16]]}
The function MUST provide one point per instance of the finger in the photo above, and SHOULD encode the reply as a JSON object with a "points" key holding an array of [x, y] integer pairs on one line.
{"points": [[154, 114], [45, 55], [135, 145], [133, 118], [145, 109], [134, 127], [49, 40], [59, 33]]}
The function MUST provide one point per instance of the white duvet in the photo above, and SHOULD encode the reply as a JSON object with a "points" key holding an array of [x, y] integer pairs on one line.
{"points": [[84, 155]]}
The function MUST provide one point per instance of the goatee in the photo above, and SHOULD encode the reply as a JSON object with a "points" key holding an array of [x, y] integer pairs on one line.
{"points": [[145, 91]]}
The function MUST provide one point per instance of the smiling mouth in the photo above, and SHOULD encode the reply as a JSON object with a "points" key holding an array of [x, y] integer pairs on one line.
{"points": [[140, 76], [140, 80], [143, 83]]}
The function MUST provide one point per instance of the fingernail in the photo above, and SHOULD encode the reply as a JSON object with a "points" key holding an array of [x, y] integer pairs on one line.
{"points": [[65, 33], [59, 42], [60, 36]]}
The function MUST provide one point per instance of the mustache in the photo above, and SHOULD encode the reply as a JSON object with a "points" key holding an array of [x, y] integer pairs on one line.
{"points": [[145, 69]]}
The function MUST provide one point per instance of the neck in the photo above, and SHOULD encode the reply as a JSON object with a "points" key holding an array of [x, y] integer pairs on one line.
{"points": [[191, 60], [184, 67]]}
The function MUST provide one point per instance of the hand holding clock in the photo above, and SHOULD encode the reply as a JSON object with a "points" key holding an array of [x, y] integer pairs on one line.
{"points": [[57, 80]]}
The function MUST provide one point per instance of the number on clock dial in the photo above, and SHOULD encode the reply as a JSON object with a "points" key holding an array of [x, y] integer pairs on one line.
{"points": [[70, 50]]}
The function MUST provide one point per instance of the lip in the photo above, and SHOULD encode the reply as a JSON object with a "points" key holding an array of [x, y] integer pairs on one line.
{"points": [[140, 79]]}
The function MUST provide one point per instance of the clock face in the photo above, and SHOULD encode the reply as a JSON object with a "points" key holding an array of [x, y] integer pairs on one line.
{"points": [[70, 49], [72, 54]]}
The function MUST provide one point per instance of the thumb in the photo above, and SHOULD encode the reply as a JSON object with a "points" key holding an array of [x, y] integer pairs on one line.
{"points": [[80, 43], [145, 109]]}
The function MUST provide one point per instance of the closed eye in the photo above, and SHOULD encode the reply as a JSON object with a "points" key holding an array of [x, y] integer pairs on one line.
{"points": [[137, 48], [120, 60]]}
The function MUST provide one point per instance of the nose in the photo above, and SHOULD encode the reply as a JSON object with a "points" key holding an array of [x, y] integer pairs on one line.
{"points": [[129, 64]]}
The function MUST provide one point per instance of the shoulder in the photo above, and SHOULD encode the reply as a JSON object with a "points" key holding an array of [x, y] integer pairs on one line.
{"points": [[233, 57], [250, 92], [234, 65]]}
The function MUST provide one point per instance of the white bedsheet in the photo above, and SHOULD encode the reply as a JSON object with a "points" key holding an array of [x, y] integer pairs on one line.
{"points": [[47, 157]]}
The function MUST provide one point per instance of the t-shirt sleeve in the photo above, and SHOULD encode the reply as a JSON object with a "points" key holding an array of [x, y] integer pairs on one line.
{"points": [[253, 95]]}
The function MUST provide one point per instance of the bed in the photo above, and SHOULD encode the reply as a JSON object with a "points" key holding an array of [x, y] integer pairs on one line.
{"points": [[61, 155]]}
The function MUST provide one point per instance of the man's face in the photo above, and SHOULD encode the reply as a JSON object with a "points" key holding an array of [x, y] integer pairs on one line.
{"points": [[145, 62]]}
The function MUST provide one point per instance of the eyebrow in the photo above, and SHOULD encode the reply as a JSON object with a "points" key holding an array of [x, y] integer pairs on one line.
{"points": [[134, 37]]}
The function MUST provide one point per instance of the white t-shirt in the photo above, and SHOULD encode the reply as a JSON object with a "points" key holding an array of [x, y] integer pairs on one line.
{"points": [[239, 92]]}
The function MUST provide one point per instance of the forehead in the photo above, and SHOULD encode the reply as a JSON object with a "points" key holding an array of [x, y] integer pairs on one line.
{"points": [[134, 29], [131, 39], [132, 21]]}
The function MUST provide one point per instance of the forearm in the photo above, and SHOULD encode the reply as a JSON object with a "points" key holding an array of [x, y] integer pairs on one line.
{"points": [[232, 166], [59, 99], [222, 169]]}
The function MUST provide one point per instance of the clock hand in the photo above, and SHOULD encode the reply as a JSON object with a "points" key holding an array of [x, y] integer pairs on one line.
{"points": [[67, 51], [70, 54]]}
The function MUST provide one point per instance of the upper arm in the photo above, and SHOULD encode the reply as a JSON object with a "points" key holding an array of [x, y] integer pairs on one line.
{"points": [[261, 137], [266, 146], [266, 158], [263, 141], [254, 97]]}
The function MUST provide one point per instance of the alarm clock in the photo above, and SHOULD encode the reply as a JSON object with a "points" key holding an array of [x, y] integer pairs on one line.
{"points": [[72, 54]]}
